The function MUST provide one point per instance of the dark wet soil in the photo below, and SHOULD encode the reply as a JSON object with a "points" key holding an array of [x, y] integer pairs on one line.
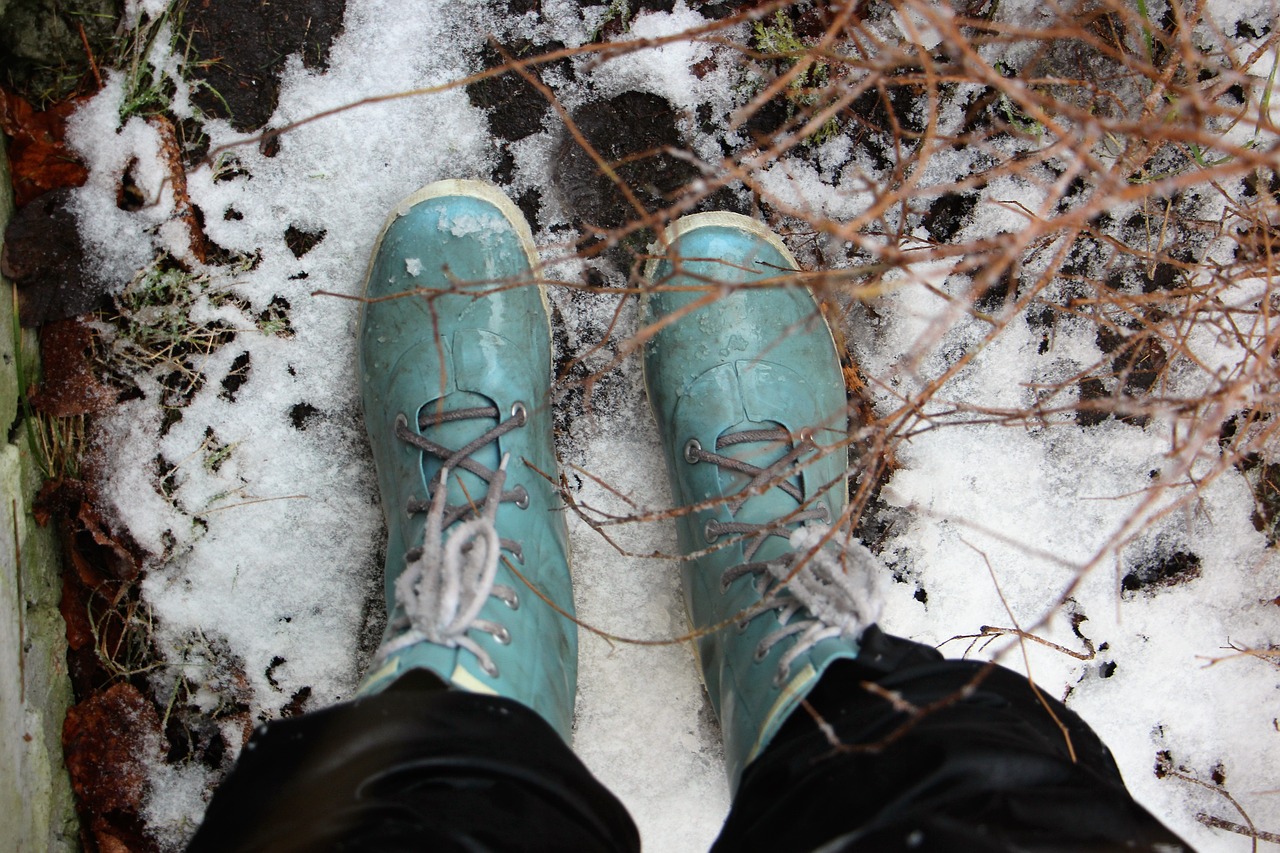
{"points": [[514, 106], [43, 254], [633, 133], [243, 45], [1160, 571]]}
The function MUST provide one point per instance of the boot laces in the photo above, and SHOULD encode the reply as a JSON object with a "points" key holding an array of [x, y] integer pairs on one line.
{"points": [[826, 598], [447, 580]]}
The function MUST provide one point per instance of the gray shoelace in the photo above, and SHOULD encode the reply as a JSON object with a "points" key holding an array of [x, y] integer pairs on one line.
{"points": [[453, 460], [822, 600], [447, 580]]}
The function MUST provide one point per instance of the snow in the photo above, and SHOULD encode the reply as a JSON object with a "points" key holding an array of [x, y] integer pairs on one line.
{"points": [[666, 70], [274, 552], [119, 240]]}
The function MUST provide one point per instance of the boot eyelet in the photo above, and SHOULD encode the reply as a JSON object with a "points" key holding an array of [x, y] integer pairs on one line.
{"points": [[520, 413], [825, 518], [502, 636], [402, 421], [507, 596], [743, 626], [711, 531], [691, 448], [522, 500], [805, 435], [761, 653]]}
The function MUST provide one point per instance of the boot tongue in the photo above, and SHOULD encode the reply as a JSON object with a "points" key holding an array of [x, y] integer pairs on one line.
{"points": [[772, 397], [464, 487], [771, 504]]}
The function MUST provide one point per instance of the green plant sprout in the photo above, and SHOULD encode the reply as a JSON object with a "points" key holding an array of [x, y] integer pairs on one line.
{"points": [[147, 93], [156, 310], [148, 90], [55, 443], [273, 326], [1264, 103], [780, 39], [619, 10], [227, 166], [1147, 40], [1024, 123], [217, 454], [274, 320]]}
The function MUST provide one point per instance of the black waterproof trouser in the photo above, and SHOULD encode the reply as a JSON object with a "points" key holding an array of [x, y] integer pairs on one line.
{"points": [[932, 755]]}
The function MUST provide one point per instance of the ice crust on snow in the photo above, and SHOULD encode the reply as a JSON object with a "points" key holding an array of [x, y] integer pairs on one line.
{"points": [[274, 552]]}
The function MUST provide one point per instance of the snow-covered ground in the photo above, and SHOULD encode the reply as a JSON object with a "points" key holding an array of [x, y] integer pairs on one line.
{"points": [[259, 505]]}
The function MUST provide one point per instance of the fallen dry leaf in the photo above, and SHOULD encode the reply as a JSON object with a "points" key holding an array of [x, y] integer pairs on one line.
{"points": [[109, 739], [39, 158], [70, 387], [98, 553], [109, 843]]}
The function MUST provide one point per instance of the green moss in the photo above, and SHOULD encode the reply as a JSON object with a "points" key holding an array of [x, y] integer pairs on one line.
{"points": [[45, 57], [804, 94], [779, 38]]}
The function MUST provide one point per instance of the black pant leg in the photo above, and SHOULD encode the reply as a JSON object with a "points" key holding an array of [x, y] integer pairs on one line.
{"points": [[987, 769], [414, 768]]}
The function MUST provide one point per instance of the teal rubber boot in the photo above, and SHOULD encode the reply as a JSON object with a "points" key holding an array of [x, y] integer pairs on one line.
{"points": [[455, 366], [747, 390]]}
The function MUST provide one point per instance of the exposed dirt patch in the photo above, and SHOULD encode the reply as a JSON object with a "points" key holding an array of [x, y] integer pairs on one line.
{"points": [[300, 241], [632, 133], [949, 214], [43, 254], [244, 45], [1160, 572], [237, 376], [301, 415], [514, 107]]}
